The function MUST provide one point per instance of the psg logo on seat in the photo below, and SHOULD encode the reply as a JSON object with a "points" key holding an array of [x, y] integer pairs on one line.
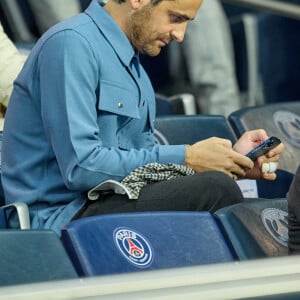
{"points": [[134, 247]]}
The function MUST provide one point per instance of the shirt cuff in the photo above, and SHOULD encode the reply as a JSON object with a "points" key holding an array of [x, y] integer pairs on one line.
{"points": [[172, 154]]}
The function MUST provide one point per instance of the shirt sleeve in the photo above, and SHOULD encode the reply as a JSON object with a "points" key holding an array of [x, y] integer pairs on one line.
{"points": [[69, 75]]}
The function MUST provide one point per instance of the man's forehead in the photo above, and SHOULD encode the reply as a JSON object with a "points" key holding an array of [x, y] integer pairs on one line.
{"points": [[188, 8]]}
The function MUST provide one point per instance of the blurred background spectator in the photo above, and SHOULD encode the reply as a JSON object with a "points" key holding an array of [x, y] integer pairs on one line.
{"points": [[11, 62], [50, 12]]}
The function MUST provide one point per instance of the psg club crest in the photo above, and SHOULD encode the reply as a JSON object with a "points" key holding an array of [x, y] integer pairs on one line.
{"points": [[276, 223], [134, 247]]}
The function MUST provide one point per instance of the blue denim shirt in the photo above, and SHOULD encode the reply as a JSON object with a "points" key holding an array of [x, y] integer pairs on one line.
{"points": [[82, 111]]}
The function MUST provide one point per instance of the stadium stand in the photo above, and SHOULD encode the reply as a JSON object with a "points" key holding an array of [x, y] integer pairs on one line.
{"points": [[267, 60], [130, 242], [278, 54]]}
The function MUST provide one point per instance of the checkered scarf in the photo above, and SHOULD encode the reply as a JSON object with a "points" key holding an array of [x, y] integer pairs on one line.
{"points": [[151, 173]]}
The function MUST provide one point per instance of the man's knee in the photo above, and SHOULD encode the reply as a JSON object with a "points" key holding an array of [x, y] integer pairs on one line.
{"points": [[223, 183], [218, 190]]}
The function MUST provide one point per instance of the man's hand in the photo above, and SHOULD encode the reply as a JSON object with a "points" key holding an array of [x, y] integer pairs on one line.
{"points": [[217, 154], [248, 141]]}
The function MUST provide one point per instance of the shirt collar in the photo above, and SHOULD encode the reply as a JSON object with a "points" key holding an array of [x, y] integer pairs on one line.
{"points": [[112, 31]]}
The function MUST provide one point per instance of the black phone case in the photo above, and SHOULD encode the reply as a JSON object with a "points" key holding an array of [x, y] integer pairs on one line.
{"points": [[263, 148]]}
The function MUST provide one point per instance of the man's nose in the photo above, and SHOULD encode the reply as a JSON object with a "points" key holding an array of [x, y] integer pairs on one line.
{"points": [[179, 32]]}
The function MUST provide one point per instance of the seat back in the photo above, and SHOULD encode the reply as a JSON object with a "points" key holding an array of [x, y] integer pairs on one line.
{"points": [[28, 256], [132, 242], [182, 104], [177, 130], [278, 119], [256, 228]]}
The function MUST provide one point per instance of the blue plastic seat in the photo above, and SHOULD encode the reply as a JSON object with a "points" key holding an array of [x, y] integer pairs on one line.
{"points": [[179, 129], [30, 256], [256, 228], [130, 242]]}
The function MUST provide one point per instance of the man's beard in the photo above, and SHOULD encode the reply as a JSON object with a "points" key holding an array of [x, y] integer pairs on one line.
{"points": [[140, 31]]}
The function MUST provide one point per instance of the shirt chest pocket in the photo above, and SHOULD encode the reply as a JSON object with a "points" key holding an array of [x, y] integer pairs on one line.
{"points": [[114, 98]]}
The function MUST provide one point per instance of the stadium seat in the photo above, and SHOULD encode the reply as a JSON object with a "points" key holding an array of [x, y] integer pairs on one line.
{"points": [[256, 228], [130, 242], [278, 119], [29, 256], [183, 103], [179, 129]]}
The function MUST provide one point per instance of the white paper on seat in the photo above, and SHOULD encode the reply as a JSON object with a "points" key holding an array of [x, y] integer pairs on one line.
{"points": [[248, 188]]}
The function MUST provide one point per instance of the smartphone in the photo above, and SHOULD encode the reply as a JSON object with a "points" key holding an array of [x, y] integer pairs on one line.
{"points": [[263, 148]]}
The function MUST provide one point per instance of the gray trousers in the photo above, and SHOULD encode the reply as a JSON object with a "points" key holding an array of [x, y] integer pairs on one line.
{"points": [[206, 191]]}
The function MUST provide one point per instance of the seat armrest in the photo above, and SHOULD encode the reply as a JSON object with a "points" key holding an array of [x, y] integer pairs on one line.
{"points": [[180, 104], [22, 212], [188, 101]]}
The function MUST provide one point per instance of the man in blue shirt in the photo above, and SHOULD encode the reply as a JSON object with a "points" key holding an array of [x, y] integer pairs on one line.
{"points": [[83, 110]]}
